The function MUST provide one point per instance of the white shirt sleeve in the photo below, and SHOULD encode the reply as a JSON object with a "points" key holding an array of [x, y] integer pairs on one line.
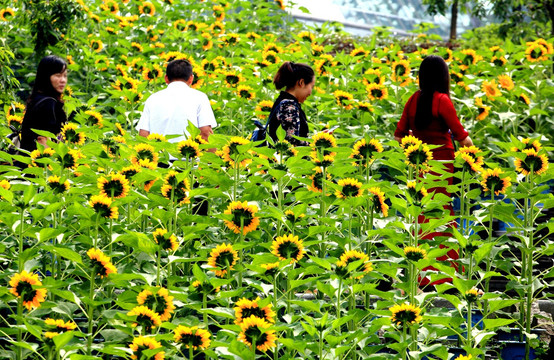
{"points": [[144, 122], [205, 114]]}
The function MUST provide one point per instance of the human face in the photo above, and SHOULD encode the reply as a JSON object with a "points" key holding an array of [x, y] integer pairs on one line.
{"points": [[304, 90], [59, 81]]}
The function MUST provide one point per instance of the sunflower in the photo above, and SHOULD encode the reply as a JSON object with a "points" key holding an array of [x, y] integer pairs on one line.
{"points": [[373, 76], [323, 140], [365, 107], [130, 171], [22, 285], [270, 269], [167, 241], [206, 41], [324, 63], [189, 149], [499, 60], [418, 155], [470, 58], [490, 88], [464, 357], [147, 8], [378, 200], [192, 337], [46, 153], [317, 50], [255, 330], [232, 78], [446, 54], [413, 253], [405, 314], [156, 137], [6, 14], [218, 12], [110, 6], [482, 109], [55, 184], [364, 151], [96, 45], [100, 263], [527, 144], [142, 343], [473, 294], [536, 52], [531, 163], [269, 58], [349, 188], [180, 192], [524, 98], [205, 287], [288, 247], [377, 92], [252, 36], [146, 156], [506, 82], [160, 302], [415, 193], [230, 153], [61, 325], [222, 259], [245, 308], [344, 99], [491, 180], [359, 51], [471, 162], [117, 186], [324, 162], [147, 318], [351, 256], [246, 92], [293, 217], [408, 141], [317, 180], [243, 215], [5, 184], [400, 69], [70, 134], [102, 206], [217, 28]]}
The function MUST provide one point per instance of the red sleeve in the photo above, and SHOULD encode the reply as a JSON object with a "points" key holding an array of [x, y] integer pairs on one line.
{"points": [[403, 125], [447, 112]]}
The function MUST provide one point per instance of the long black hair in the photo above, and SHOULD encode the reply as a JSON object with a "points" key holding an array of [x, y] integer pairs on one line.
{"points": [[433, 76], [48, 66], [289, 73]]}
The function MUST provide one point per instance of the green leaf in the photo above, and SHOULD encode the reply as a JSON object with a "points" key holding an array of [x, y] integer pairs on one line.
{"points": [[281, 133], [64, 252], [62, 339], [496, 323]]}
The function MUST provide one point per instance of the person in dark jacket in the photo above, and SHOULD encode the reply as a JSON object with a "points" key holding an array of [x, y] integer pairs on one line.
{"points": [[298, 80], [44, 110]]}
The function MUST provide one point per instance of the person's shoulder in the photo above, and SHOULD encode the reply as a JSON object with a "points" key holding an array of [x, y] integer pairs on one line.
{"points": [[41, 101], [442, 96], [288, 103]]}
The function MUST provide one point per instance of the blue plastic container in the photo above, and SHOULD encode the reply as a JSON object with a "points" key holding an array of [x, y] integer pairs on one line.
{"points": [[515, 350]]}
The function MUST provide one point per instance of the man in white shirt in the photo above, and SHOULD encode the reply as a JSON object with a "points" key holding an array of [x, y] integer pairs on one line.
{"points": [[168, 111]]}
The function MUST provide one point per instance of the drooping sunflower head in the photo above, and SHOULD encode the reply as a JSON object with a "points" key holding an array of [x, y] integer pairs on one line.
{"points": [[405, 314], [490, 88], [418, 155], [192, 337], [409, 140], [323, 161], [94, 118], [283, 147], [114, 186], [317, 180], [506, 82], [189, 149], [60, 325], [377, 91], [145, 156], [323, 141], [531, 162], [178, 193], [472, 160], [142, 343], [414, 253], [349, 188], [246, 92], [492, 181], [243, 217], [156, 137], [528, 144], [344, 99], [288, 247], [23, 285], [130, 171], [145, 317], [167, 241], [293, 217], [56, 185], [524, 98], [255, 330], [482, 110], [222, 259], [102, 205], [349, 257], [101, 263], [158, 301], [244, 308], [364, 151], [416, 191], [230, 152], [71, 136], [378, 200], [147, 8], [400, 69]]}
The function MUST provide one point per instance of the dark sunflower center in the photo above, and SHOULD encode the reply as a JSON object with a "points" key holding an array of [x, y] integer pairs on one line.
{"points": [[378, 93], [232, 79], [376, 202], [405, 316], [318, 181], [257, 312], [417, 157], [98, 267], [468, 60], [102, 209], [25, 290], [181, 27], [400, 70], [414, 255], [145, 320], [367, 151], [113, 188], [188, 152], [253, 333], [536, 53], [145, 155], [71, 136], [129, 173], [164, 242], [242, 217], [191, 339], [288, 250], [533, 163], [224, 259], [323, 144], [481, 110], [350, 190], [494, 183], [498, 62], [245, 94]]}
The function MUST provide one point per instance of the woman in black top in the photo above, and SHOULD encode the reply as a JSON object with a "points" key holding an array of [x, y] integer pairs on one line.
{"points": [[44, 110], [298, 81]]}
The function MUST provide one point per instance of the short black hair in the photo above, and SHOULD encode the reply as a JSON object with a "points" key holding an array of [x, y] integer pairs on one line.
{"points": [[179, 69]]}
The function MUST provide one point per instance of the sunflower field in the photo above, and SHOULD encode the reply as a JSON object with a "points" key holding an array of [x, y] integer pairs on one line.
{"points": [[314, 252]]}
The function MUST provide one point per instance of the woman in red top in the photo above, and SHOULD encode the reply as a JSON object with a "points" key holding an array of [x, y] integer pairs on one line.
{"points": [[429, 115]]}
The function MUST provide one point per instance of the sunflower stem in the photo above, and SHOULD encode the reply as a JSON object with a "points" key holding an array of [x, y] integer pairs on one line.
{"points": [[158, 256], [91, 312], [19, 352], [205, 307], [338, 303], [191, 352], [529, 218], [20, 263], [469, 327]]}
